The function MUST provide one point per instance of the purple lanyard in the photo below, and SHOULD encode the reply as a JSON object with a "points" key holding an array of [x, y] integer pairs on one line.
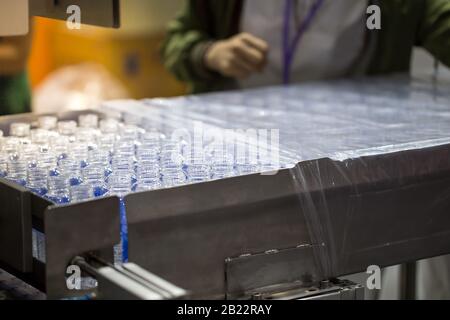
{"points": [[289, 48]]}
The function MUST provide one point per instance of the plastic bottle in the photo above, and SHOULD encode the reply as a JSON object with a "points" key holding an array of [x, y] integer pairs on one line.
{"points": [[88, 121], [17, 168], [60, 146], [81, 192], [3, 165], [70, 167], [246, 161], [94, 175], [20, 130], [47, 122], [67, 128], [46, 158], [222, 166], [58, 187], [40, 137], [172, 165], [196, 167], [12, 145], [37, 178], [109, 126]]}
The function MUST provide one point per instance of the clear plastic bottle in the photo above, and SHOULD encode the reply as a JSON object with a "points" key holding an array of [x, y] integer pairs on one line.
{"points": [[58, 186], [106, 141], [87, 136], [94, 175], [109, 126], [148, 176], [29, 152], [3, 165], [60, 146], [47, 122], [151, 141], [17, 168], [81, 192], [47, 158], [196, 168], [88, 121], [130, 133], [2, 141], [100, 157], [222, 166], [246, 161], [70, 166], [20, 130], [37, 178], [12, 145], [148, 173], [67, 128], [40, 137], [80, 151], [124, 158], [172, 165]]}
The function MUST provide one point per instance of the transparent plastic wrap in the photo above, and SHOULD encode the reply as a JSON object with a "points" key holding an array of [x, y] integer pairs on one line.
{"points": [[369, 160], [353, 174]]}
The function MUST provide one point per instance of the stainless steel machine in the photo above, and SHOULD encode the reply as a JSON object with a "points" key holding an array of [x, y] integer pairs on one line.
{"points": [[363, 180]]}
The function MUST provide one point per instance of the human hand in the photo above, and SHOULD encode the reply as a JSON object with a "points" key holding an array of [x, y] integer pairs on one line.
{"points": [[238, 57]]}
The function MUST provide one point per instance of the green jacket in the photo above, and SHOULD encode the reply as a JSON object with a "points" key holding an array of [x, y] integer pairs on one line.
{"points": [[405, 24], [14, 94]]}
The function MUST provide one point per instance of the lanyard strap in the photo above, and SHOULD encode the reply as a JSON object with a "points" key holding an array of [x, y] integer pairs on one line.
{"points": [[289, 49]]}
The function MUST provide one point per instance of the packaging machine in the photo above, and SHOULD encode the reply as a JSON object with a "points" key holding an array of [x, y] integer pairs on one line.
{"points": [[363, 180]]}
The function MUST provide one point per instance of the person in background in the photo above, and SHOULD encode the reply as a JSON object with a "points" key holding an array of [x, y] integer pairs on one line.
{"points": [[14, 86], [229, 44]]}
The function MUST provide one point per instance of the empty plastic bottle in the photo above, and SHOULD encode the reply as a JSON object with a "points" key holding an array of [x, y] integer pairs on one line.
{"points": [[246, 159], [196, 167], [3, 165], [40, 136], [47, 122], [58, 186], [222, 166], [88, 121], [172, 165], [20, 130], [81, 192], [37, 178], [109, 126], [67, 128], [46, 158], [70, 167], [94, 175], [17, 168], [12, 145]]}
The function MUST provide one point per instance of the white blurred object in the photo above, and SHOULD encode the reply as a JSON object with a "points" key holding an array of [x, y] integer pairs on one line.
{"points": [[77, 87]]}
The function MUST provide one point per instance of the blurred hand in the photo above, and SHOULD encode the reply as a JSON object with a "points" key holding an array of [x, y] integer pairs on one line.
{"points": [[238, 57]]}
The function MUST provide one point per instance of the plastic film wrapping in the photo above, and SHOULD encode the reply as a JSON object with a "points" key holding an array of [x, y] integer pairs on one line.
{"points": [[369, 160]]}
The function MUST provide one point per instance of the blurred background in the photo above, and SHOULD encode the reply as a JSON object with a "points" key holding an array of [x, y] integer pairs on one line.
{"points": [[108, 63], [75, 69]]}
